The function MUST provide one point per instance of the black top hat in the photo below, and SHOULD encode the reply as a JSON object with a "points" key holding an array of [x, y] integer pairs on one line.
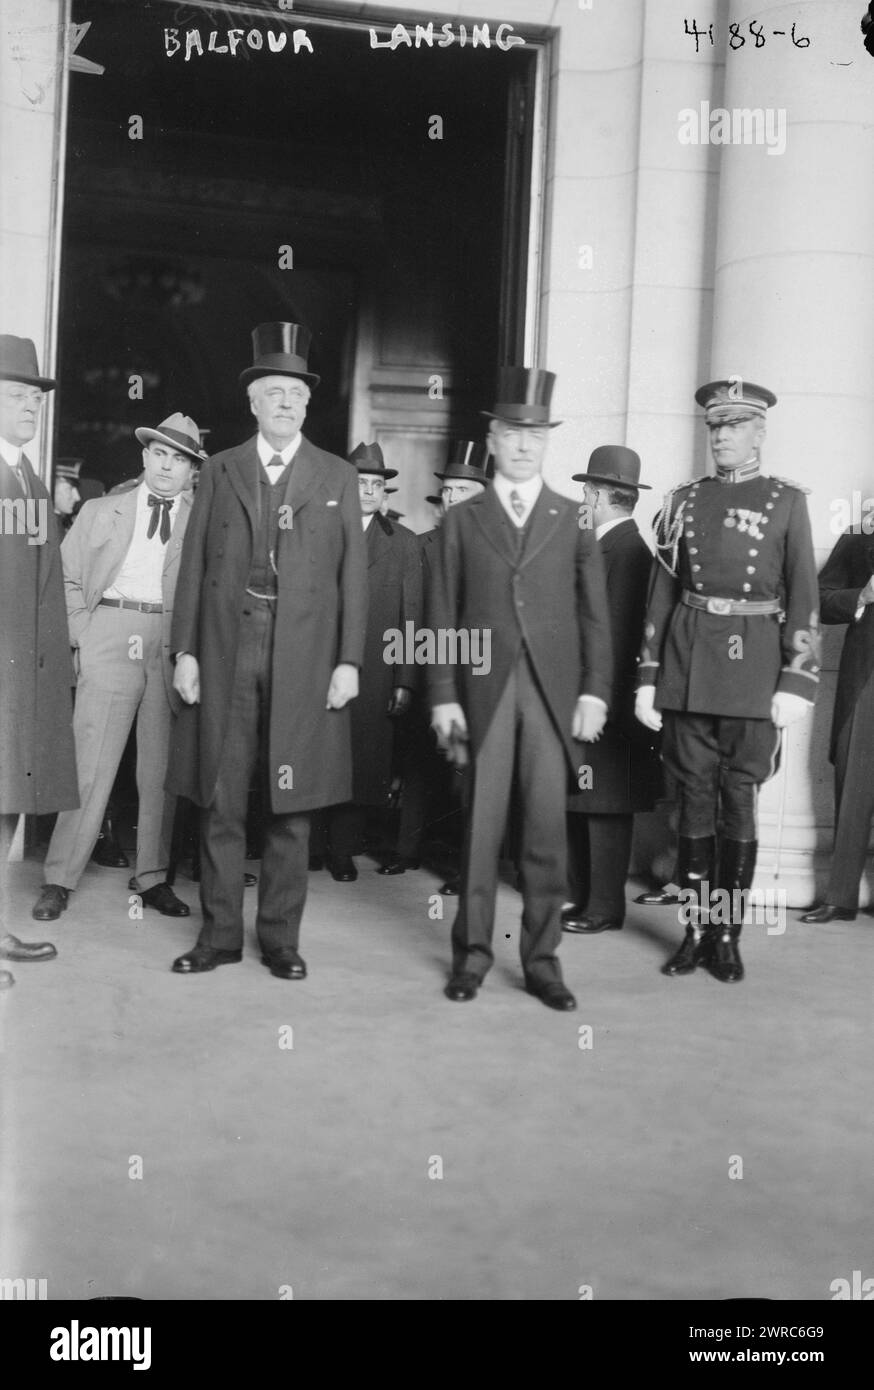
{"points": [[524, 394], [467, 460], [613, 464], [368, 458], [280, 349], [18, 363]]}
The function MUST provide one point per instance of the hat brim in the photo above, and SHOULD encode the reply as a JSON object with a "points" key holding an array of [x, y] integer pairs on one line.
{"points": [[45, 383], [611, 482], [377, 473], [533, 424], [253, 373], [145, 436]]}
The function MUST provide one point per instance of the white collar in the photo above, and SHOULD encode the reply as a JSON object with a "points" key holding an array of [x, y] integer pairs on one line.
{"points": [[143, 497], [366, 520], [608, 526], [529, 491], [266, 452], [10, 453]]}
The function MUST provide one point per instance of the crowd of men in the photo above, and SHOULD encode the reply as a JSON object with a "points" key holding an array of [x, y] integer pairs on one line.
{"points": [[236, 610]]}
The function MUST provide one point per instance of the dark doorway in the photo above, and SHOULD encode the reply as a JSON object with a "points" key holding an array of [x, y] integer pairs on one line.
{"points": [[171, 243]]}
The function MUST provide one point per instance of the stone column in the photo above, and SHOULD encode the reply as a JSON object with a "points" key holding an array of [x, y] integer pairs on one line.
{"points": [[794, 289]]}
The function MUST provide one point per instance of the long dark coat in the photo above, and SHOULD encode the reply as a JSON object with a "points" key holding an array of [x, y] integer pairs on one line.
{"points": [[553, 599], [320, 621], [843, 576], [625, 765], [37, 754], [394, 581]]}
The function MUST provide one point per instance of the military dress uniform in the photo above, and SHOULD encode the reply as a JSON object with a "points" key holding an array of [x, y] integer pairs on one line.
{"points": [[731, 620]]}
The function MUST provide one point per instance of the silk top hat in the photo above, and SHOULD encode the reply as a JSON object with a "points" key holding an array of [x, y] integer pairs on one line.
{"points": [[524, 394], [614, 465], [368, 458], [280, 349], [68, 468], [735, 399], [18, 363], [180, 432], [467, 460]]}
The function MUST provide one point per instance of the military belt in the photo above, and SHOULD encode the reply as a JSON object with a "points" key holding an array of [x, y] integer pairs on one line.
{"points": [[725, 607]]}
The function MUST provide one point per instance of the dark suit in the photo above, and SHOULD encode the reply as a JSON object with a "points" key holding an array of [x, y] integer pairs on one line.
{"points": [[265, 669], [540, 594], [623, 771], [843, 576]]}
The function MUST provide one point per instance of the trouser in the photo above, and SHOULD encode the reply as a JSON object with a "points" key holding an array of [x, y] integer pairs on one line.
{"points": [[854, 802], [282, 885], [122, 678], [599, 853], [718, 764], [521, 736]]}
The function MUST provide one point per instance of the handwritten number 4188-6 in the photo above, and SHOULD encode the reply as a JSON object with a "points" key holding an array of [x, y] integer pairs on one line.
{"points": [[737, 40]]}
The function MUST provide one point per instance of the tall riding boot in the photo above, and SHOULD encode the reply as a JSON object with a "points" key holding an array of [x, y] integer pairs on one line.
{"points": [[696, 862], [737, 865], [108, 852]]}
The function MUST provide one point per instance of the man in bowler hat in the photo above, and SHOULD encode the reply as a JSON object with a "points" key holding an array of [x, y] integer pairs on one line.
{"points": [[622, 772], [730, 657], [269, 638], [515, 561], [37, 755]]}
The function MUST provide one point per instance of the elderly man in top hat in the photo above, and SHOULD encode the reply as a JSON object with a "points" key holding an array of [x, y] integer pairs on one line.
{"points": [[394, 575], [269, 638], [121, 562], [515, 561], [37, 755], [730, 657], [621, 772]]}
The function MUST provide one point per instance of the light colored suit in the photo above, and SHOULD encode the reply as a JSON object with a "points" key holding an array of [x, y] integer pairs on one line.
{"points": [[125, 672]]}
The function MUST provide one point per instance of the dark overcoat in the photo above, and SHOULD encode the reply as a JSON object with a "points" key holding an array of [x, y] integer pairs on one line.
{"points": [[552, 599], [841, 580], [321, 611], [624, 768], [37, 753], [394, 582]]}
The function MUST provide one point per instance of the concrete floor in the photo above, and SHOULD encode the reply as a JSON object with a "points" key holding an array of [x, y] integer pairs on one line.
{"points": [[562, 1167]]}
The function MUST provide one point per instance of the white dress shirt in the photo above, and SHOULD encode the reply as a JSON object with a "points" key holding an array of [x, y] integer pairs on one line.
{"points": [[140, 578], [10, 453], [266, 452], [529, 491]]}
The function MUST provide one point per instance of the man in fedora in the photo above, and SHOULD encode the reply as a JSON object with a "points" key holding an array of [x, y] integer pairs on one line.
{"points": [[269, 638], [121, 563], [621, 772], [37, 755], [730, 657], [515, 561], [386, 685]]}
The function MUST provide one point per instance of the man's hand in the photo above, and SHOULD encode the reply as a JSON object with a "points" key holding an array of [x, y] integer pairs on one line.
{"points": [[867, 594], [343, 687], [590, 716], [450, 726], [787, 709], [401, 699], [645, 710], [186, 678]]}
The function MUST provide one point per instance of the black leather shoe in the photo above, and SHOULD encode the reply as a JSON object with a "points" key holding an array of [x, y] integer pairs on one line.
{"points": [[582, 925], [657, 898], [6, 980], [450, 889], [687, 957], [462, 987], [827, 912], [13, 949], [286, 965], [343, 870], [165, 900], [108, 853], [202, 958], [552, 993], [51, 903], [723, 958], [397, 866]]}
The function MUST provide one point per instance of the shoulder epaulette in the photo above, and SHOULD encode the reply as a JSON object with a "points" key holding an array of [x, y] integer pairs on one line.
{"points": [[790, 482]]}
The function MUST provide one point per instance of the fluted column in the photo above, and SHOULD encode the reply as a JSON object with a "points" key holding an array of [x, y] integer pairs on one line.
{"points": [[794, 310]]}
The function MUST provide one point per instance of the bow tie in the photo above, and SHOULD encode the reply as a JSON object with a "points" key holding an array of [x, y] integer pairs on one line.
{"points": [[164, 503]]}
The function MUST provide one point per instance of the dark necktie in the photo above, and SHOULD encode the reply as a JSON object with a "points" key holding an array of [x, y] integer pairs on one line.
{"points": [[20, 474], [516, 503], [276, 462], [161, 506]]}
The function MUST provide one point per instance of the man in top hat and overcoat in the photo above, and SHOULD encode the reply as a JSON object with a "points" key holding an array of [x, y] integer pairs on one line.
{"points": [[730, 657], [269, 639], [37, 754], [388, 677], [121, 565], [516, 564], [622, 771]]}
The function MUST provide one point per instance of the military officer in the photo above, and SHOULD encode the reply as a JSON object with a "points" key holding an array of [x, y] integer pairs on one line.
{"points": [[730, 656]]}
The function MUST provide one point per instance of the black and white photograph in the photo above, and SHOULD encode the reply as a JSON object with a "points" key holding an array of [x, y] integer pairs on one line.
{"points": [[437, 663]]}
